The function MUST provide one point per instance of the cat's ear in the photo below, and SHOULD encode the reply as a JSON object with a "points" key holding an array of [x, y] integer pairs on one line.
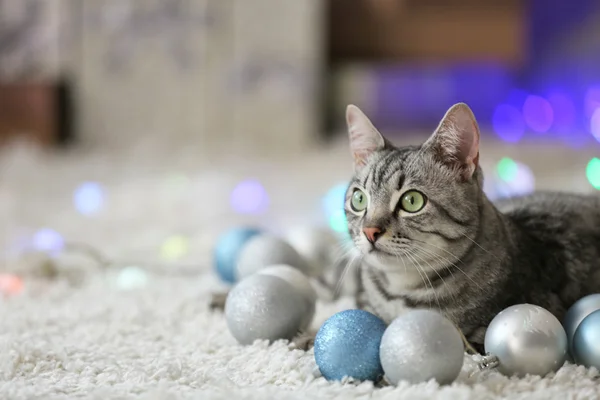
{"points": [[365, 139], [456, 140]]}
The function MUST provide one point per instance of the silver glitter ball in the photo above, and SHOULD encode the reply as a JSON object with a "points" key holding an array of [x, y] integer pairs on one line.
{"points": [[300, 283], [586, 346], [265, 250], [526, 339], [318, 246], [264, 307], [578, 311], [419, 346]]}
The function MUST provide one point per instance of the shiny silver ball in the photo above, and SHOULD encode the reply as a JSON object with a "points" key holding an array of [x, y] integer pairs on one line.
{"points": [[265, 250], [300, 283], [586, 341], [578, 311], [264, 307], [526, 339], [419, 346], [317, 245]]}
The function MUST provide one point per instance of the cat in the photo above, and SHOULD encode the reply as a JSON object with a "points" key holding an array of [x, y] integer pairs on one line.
{"points": [[429, 237]]}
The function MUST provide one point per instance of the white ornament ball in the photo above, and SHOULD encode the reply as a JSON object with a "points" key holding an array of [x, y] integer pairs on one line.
{"points": [[421, 345], [317, 245], [300, 283], [264, 307], [265, 250], [526, 339]]}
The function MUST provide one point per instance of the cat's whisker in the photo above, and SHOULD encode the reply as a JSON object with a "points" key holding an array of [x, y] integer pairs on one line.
{"points": [[417, 267], [415, 257], [453, 264], [435, 270], [481, 247], [340, 281]]}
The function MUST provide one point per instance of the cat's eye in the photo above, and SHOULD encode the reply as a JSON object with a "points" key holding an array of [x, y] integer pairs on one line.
{"points": [[359, 201], [412, 201]]}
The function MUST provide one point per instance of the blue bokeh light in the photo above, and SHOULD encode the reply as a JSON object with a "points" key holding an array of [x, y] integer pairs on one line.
{"points": [[508, 123], [565, 112], [249, 197], [592, 100], [48, 240], [88, 198], [538, 113], [334, 199], [595, 124]]}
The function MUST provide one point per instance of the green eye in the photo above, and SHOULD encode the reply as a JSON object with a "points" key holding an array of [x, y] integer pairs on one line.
{"points": [[358, 201], [412, 201]]}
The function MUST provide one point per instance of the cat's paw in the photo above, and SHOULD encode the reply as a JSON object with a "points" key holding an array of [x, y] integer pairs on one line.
{"points": [[217, 301], [303, 341]]}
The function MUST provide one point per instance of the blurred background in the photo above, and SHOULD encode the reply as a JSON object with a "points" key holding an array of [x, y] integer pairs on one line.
{"points": [[145, 127]]}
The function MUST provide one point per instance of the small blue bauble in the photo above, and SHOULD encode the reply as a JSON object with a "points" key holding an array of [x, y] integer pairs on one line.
{"points": [[577, 313], [227, 250], [586, 341], [348, 345]]}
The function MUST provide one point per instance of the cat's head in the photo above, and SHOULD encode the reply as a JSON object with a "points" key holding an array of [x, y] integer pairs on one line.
{"points": [[415, 204]]}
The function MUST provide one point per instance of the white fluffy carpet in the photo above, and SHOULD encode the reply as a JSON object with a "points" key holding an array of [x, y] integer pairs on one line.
{"points": [[78, 335]]}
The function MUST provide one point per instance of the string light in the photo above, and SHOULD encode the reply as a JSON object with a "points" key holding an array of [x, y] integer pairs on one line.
{"points": [[48, 240], [595, 124], [507, 169], [508, 123], [249, 197], [538, 113], [175, 248], [88, 198], [593, 172], [10, 284], [131, 278]]}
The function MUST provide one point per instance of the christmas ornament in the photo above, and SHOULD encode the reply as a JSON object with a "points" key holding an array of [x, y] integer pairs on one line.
{"points": [[227, 250], [525, 339], [265, 250], [347, 344], [578, 311], [421, 345], [264, 307], [300, 283], [316, 245], [586, 341]]}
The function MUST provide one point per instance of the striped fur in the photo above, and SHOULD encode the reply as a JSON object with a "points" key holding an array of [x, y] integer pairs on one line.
{"points": [[461, 254]]}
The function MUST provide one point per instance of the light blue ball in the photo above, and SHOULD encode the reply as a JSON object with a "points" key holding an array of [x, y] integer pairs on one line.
{"points": [[586, 341], [348, 345], [577, 313], [227, 250]]}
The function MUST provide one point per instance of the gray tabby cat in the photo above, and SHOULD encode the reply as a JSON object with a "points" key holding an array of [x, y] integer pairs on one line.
{"points": [[430, 238]]}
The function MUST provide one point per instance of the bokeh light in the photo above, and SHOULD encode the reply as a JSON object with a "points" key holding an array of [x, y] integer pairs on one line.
{"points": [[338, 221], [174, 248], [507, 169], [593, 172], [595, 124], [592, 100], [131, 278], [334, 199], [249, 197], [508, 123], [48, 240], [538, 113], [10, 284], [88, 198], [522, 181], [565, 112]]}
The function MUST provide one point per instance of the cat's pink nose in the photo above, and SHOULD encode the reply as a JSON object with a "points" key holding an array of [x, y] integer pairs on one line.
{"points": [[373, 233]]}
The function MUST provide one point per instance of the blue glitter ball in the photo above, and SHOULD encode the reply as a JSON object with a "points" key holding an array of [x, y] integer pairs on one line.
{"points": [[348, 345], [586, 346], [227, 250]]}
